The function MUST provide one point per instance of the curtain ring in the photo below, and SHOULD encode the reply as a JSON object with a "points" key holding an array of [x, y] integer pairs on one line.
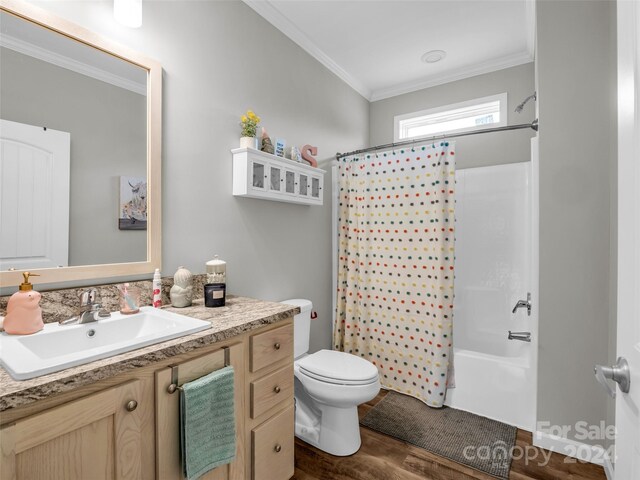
{"points": [[413, 144]]}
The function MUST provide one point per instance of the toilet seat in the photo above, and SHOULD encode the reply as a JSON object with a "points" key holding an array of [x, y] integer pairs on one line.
{"points": [[339, 368]]}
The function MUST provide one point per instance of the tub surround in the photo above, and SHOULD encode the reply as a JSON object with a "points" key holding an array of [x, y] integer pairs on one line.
{"points": [[241, 314]]}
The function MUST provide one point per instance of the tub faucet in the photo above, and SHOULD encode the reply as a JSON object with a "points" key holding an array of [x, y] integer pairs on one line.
{"points": [[89, 311], [523, 304], [522, 336]]}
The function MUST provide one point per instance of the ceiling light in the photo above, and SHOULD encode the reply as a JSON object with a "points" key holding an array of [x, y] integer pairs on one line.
{"points": [[128, 12], [433, 56]]}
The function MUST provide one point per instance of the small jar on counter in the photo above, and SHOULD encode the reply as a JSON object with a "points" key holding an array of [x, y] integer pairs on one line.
{"points": [[214, 294], [216, 270]]}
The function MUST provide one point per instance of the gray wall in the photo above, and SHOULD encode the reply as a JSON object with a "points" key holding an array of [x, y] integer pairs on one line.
{"points": [[576, 108], [477, 150], [108, 139], [220, 58]]}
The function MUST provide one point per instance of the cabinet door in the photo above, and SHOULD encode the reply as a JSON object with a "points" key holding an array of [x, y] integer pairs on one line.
{"points": [[272, 446], [95, 437], [167, 415], [259, 175], [290, 182], [275, 179], [316, 188], [303, 189]]}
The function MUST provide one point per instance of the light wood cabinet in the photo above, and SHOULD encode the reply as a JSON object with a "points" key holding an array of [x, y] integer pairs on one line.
{"points": [[95, 432], [272, 389], [96, 437], [270, 347], [270, 420], [272, 447], [167, 413]]}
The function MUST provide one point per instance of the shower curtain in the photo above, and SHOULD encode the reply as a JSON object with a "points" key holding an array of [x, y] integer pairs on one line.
{"points": [[396, 265]]}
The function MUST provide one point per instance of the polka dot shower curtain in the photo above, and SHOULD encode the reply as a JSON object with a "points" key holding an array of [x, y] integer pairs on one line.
{"points": [[395, 267]]}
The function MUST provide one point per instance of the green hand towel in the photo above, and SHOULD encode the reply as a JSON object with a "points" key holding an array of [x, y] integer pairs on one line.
{"points": [[207, 423]]}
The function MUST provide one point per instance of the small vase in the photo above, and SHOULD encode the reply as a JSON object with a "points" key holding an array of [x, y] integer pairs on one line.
{"points": [[249, 142]]}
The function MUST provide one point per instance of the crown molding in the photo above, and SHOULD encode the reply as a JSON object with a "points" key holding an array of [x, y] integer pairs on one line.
{"points": [[270, 13], [459, 74], [69, 63]]}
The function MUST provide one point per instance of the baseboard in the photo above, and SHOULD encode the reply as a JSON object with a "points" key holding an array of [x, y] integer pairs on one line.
{"points": [[572, 448]]}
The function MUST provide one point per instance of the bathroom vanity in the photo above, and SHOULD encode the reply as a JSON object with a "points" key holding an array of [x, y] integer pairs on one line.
{"points": [[118, 417]]}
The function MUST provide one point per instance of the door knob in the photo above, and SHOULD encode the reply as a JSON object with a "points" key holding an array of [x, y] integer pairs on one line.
{"points": [[619, 373], [131, 405]]}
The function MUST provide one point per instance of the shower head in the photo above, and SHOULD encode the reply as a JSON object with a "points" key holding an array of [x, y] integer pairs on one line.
{"points": [[521, 106]]}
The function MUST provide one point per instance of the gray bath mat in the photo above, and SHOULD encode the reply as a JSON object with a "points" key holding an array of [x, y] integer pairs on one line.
{"points": [[463, 437]]}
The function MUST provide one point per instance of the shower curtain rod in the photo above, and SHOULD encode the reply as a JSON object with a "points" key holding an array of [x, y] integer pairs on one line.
{"points": [[533, 125]]}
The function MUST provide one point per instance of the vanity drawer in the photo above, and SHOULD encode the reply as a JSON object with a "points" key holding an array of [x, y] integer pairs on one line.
{"points": [[270, 347], [271, 390], [272, 445]]}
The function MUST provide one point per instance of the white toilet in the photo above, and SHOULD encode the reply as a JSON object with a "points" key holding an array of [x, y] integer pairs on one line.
{"points": [[329, 386]]}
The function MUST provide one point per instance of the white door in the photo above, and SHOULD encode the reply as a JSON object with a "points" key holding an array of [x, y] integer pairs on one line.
{"points": [[34, 196], [627, 464]]}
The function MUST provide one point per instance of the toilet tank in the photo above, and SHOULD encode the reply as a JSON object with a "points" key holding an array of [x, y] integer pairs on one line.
{"points": [[301, 325]]}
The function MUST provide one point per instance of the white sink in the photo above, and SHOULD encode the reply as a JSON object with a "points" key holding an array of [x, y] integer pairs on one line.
{"points": [[57, 347]]}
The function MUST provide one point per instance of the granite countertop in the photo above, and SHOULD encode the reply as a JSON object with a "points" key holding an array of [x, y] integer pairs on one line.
{"points": [[240, 315]]}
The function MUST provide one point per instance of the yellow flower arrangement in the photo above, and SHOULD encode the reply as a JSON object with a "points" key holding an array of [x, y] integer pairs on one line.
{"points": [[249, 123]]}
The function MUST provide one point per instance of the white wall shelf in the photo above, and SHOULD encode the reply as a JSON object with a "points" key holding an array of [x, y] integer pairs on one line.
{"points": [[261, 175]]}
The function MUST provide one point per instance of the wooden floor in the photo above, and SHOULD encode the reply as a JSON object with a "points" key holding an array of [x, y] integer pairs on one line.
{"points": [[385, 458]]}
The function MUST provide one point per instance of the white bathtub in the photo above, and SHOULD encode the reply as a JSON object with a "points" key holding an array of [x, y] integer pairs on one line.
{"points": [[494, 377], [494, 387]]}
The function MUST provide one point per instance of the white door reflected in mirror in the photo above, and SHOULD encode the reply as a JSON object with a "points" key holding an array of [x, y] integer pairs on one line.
{"points": [[34, 196]]}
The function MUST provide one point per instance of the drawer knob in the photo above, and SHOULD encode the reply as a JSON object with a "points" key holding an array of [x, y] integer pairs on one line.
{"points": [[276, 389], [131, 405], [278, 448], [277, 346]]}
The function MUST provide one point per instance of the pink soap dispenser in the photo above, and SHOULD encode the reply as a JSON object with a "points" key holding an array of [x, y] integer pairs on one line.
{"points": [[24, 315]]}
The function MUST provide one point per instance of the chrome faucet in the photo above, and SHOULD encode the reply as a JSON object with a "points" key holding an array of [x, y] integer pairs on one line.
{"points": [[522, 336], [523, 304], [89, 311]]}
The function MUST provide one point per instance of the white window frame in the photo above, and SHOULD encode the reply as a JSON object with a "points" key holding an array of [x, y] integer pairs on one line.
{"points": [[501, 97]]}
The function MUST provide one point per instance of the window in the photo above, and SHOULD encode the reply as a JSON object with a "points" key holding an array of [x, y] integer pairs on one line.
{"points": [[486, 112]]}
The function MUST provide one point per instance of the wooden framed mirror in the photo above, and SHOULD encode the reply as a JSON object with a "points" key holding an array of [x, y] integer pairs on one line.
{"points": [[80, 160]]}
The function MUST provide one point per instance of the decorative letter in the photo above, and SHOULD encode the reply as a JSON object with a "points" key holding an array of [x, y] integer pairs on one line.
{"points": [[307, 151]]}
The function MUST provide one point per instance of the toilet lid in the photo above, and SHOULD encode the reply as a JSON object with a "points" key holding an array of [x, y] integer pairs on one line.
{"points": [[338, 367]]}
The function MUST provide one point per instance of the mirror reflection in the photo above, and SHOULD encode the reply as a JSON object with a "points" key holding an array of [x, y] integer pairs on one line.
{"points": [[73, 156]]}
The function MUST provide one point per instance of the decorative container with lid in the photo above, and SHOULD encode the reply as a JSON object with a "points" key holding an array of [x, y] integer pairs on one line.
{"points": [[216, 270]]}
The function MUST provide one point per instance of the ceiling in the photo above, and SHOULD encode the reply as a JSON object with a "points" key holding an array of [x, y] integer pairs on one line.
{"points": [[376, 46]]}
